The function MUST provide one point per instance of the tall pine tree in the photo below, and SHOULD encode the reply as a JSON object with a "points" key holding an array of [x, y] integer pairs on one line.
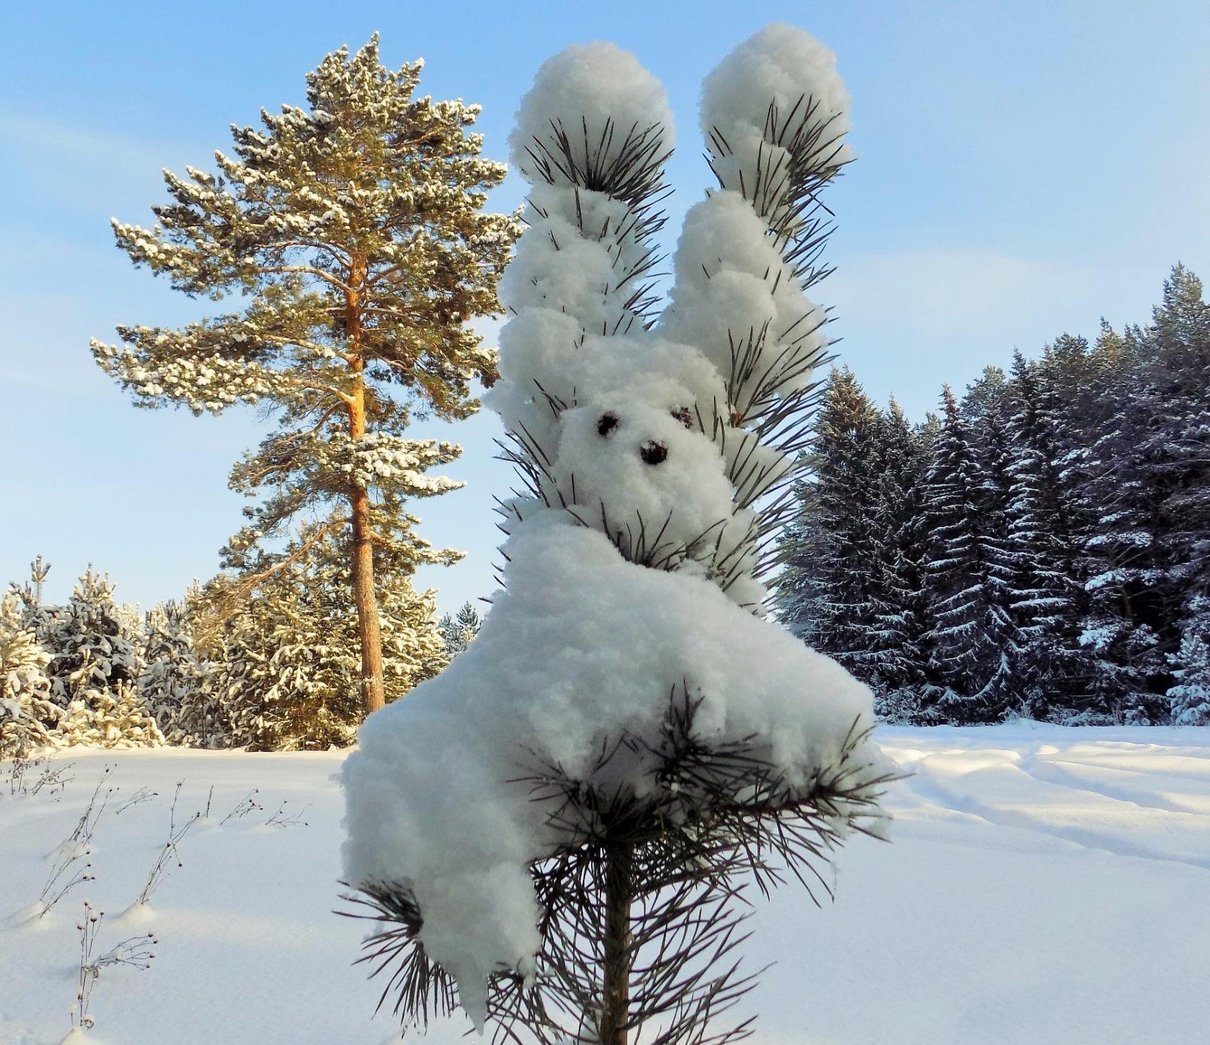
{"points": [[352, 232]]}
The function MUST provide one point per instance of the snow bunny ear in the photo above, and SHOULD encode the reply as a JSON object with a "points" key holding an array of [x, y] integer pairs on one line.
{"points": [[592, 135], [594, 118], [774, 111]]}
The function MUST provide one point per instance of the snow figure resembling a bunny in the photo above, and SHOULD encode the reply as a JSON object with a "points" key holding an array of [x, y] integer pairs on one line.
{"points": [[628, 738]]}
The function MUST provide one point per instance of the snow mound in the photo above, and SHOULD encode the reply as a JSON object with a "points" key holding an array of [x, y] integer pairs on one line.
{"points": [[581, 645]]}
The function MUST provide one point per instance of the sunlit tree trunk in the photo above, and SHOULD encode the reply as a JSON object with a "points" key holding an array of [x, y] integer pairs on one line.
{"points": [[369, 628]]}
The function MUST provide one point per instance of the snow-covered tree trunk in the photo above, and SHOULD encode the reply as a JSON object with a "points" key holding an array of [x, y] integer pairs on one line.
{"points": [[369, 629]]}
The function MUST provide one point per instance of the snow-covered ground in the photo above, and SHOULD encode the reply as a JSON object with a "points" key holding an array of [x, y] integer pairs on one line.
{"points": [[1044, 885]]}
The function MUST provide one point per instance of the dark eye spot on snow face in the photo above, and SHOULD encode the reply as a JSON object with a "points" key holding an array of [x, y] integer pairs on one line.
{"points": [[607, 423], [653, 453], [684, 415]]}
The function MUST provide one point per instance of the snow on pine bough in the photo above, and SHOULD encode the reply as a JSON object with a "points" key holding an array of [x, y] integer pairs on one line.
{"points": [[558, 834], [716, 819]]}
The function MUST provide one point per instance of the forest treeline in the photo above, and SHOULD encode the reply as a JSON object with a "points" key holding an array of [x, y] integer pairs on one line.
{"points": [[1038, 548], [272, 672]]}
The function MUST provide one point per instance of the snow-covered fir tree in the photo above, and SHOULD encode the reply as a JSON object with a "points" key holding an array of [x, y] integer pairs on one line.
{"points": [[1129, 599], [1176, 448], [1045, 533], [285, 660], [859, 527], [351, 234], [29, 718], [1087, 508], [986, 408], [665, 731], [1190, 696], [457, 630], [965, 579], [96, 661], [898, 641], [833, 604], [174, 676]]}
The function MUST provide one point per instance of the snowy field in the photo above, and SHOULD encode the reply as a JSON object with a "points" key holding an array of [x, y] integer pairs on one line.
{"points": [[1044, 885]]}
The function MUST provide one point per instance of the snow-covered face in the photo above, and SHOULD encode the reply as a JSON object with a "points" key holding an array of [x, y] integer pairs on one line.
{"points": [[646, 473]]}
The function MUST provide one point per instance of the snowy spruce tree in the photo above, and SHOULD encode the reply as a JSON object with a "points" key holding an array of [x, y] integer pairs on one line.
{"points": [[1176, 452], [898, 641], [457, 630], [1190, 696], [986, 406], [967, 580], [1062, 540], [174, 674], [285, 662], [352, 236], [29, 718], [632, 738], [833, 588], [854, 553], [1129, 599], [96, 660], [1045, 533]]}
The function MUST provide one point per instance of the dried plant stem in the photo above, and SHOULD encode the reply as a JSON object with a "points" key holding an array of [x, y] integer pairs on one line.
{"points": [[134, 951], [159, 869]]}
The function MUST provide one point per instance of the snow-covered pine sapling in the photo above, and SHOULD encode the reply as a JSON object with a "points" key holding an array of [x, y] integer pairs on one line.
{"points": [[135, 952], [168, 852], [556, 833]]}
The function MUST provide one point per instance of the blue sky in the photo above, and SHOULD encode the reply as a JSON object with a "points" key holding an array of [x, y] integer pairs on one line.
{"points": [[1025, 168]]}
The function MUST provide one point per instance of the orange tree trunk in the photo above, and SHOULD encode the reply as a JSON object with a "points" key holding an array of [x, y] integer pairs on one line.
{"points": [[373, 693], [369, 630]]}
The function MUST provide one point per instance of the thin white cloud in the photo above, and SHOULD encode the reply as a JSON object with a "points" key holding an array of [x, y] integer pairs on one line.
{"points": [[911, 321], [946, 294], [90, 147]]}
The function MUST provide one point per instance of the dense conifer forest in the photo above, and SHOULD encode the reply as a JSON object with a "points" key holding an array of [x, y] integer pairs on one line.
{"points": [[1039, 547]]}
